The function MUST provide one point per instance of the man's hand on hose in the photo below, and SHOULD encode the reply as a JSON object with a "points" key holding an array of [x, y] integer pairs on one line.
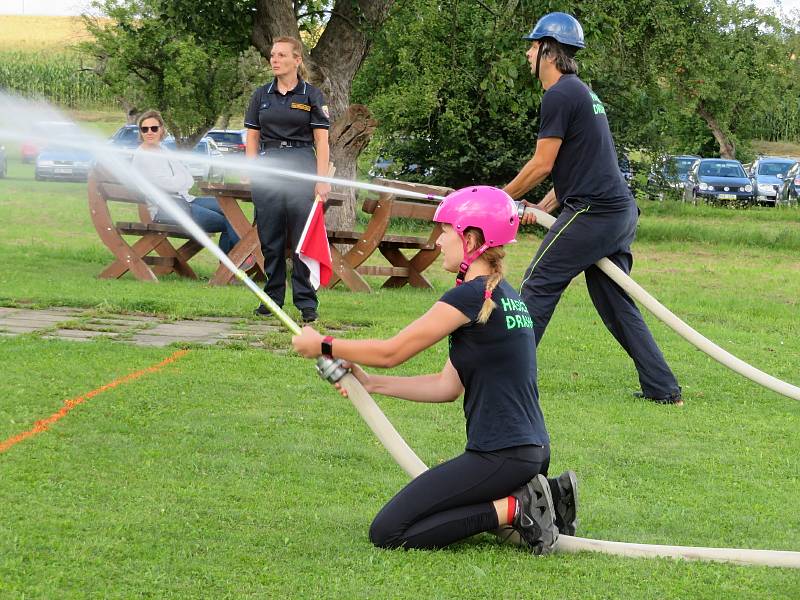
{"points": [[528, 218]]}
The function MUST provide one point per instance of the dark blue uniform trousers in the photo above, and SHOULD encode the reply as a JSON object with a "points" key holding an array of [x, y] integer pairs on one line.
{"points": [[580, 237], [282, 208]]}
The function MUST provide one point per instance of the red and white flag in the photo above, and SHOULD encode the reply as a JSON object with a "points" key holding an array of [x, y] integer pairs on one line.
{"points": [[313, 247]]}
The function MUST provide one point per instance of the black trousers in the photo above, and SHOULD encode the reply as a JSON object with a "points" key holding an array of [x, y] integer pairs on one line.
{"points": [[580, 237], [282, 208], [454, 500]]}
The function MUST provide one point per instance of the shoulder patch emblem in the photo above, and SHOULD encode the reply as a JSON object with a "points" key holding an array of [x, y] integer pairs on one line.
{"points": [[325, 110], [301, 106]]}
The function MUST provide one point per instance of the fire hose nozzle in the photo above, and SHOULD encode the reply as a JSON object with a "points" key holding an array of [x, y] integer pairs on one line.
{"points": [[331, 370], [520, 208]]}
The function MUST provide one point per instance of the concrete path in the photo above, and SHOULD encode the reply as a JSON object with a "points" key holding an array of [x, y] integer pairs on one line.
{"points": [[80, 325]]}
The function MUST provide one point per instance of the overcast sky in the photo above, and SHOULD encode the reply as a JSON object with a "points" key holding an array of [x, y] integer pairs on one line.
{"points": [[75, 7]]}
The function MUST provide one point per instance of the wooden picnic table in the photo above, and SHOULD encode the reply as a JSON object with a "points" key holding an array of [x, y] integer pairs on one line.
{"points": [[348, 266], [229, 195]]}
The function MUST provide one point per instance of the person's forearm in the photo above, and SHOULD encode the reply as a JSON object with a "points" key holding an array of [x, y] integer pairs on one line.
{"points": [[549, 203], [420, 388], [372, 353], [252, 143], [323, 159], [531, 174]]}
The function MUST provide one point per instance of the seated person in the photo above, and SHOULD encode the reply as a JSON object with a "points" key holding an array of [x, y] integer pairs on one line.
{"points": [[173, 177]]}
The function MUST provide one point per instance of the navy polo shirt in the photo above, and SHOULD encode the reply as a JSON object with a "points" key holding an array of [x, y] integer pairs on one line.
{"points": [[290, 117]]}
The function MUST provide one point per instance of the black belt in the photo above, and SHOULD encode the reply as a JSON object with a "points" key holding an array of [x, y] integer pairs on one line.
{"points": [[285, 144]]}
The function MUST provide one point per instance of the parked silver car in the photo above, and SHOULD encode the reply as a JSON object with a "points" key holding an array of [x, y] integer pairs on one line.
{"points": [[207, 148], [64, 162], [769, 172], [229, 141]]}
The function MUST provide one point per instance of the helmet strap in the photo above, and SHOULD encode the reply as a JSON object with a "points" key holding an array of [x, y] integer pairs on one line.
{"points": [[469, 258]]}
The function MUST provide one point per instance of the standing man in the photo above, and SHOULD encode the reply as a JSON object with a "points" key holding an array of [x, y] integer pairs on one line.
{"points": [[599, 213]]}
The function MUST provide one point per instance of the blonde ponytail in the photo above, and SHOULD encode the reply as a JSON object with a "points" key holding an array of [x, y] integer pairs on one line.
{"points": [[494, 256]]}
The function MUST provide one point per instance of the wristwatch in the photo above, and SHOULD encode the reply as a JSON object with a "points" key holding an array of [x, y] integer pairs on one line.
{"points": [[327, 346]]}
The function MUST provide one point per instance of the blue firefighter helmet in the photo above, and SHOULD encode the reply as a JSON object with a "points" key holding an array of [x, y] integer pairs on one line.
{"points": [[561, 27]]}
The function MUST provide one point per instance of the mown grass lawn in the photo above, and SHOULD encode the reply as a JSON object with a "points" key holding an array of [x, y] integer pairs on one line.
{"points": [[237, 473]]}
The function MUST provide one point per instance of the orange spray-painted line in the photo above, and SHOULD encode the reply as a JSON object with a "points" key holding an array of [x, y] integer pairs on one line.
{"points": [[44, 424]]}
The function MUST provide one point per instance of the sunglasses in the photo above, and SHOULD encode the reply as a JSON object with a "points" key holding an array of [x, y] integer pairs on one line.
{"points": [[153, 128]]}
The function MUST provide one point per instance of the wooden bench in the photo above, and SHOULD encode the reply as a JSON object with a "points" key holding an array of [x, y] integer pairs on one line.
{"points": [[137, 257], [350, 268]]}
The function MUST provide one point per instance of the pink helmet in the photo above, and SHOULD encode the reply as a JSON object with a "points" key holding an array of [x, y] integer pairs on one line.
{"points": [[487, 208], [484, 207]]}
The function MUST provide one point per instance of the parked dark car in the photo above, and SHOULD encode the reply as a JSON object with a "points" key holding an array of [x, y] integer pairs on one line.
{"points": [[669, 174], [3, 162], [229, 141], [719, 181], [790, 190], [126, 137], [390, 169], [64, 162], [768, 172], [625, 168]]}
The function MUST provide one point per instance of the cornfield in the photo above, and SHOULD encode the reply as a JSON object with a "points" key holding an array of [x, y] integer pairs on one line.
{"points": [[60, 78]]}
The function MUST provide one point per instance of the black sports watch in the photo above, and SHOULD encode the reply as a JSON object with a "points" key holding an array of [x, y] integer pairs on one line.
{"points": [[327, 346]]}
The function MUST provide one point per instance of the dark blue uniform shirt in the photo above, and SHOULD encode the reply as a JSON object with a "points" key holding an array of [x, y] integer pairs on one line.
{"points": [[586, 166], [496, 363], [289, 117]]}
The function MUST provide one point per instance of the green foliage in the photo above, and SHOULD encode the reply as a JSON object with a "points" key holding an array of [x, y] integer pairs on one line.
{"points": [[451, 88], [150, 62], [63, 78]]}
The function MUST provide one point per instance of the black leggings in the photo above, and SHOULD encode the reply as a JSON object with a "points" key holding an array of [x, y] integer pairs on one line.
{"points": [[454, 500]]}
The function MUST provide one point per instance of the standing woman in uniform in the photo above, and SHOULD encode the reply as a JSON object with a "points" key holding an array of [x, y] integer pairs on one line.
{"points": [[500, 478], [287, 127]]}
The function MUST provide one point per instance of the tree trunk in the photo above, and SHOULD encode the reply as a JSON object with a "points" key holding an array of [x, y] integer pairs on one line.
{"points": [[332, 64], [131, 112], [350, 134], [727, 149]]}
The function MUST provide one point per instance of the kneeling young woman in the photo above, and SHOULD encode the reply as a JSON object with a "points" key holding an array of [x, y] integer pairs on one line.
{"points": [[500, 479]]}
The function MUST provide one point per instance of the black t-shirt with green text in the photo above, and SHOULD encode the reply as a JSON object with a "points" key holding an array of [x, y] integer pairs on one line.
{"points": [[586, 167], [496, 362]]}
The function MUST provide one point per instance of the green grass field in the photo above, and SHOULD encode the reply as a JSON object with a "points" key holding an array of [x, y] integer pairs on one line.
{"points": [[237, 473]]}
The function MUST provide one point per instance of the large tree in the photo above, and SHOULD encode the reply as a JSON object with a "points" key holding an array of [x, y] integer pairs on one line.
{"points": [[720, 60]]}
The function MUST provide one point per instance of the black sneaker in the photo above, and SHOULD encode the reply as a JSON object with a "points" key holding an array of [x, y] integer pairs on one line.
{"points": [[565, 501], [534, 520], [262, 311], [309, 314], [673, 398]]}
